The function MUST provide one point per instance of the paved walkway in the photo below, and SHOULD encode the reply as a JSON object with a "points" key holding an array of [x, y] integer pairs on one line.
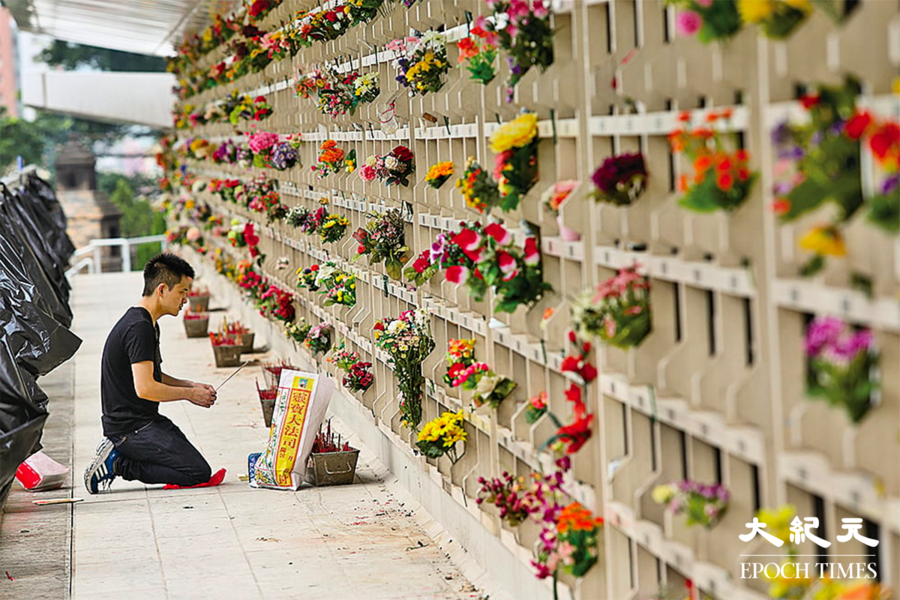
{"points": [[230, 542]]}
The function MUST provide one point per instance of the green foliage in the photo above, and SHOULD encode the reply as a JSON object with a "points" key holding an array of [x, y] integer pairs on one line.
{"points": [[71, 56], [138, 217], [19, 137]]}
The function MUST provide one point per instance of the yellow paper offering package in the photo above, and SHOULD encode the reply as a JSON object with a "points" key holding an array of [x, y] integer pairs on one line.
{"points": [[300, 408]]}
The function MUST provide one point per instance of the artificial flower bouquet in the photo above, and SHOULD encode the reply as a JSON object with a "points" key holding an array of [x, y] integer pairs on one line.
{"points": [[333, 228], [558, 194], [777, 19], [439, 173], [621, 179], [487, 257], [270, 152], [268, 203], [341, 290], [709, 20], [618, 311], [841, 365], [298, 331], [515, 501], [722, 178], [383, 239], [819, 159], [421, 62], [515, 158], [439, 436], [460, 355], [523, 31], [305, 219], [407, 341], [394, 168], [366, 87], [319, 338], [479, 52], [488, 387], [226, 189], [359, 378], [332, 159], [578, 534], [278, 303], [428, 263], [307, 277], [344, 359], [243, 107], [243, 235], [702, 504], [537, 408], [478, 188]]}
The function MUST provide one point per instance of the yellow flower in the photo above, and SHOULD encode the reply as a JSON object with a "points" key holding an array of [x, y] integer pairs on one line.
{"points": [[661, 494], [756, 11], [515, 134], [825, 240], [778, 521], [896, 86]]}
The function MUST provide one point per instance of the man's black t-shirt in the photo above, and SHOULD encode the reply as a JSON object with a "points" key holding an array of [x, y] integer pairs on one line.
{"points": [[134, 339]]}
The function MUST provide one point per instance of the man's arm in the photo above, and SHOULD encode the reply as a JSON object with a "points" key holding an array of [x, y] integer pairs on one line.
{"points": [[149, 389], [174, 382]]}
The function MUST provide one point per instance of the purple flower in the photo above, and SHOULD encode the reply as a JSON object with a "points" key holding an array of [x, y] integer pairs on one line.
{"points": [[618, 170], [822, 332], [781, 134], [890, 184]]}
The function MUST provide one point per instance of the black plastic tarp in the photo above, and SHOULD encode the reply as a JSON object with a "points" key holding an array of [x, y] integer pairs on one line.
{"points": [[34, 316]]}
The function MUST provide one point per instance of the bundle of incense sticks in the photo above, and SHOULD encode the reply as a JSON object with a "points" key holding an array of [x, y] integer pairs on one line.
{"points": [[328, 440]]}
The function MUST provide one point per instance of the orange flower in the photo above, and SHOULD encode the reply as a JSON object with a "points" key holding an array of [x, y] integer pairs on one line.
{"points": [[683, 183], [328, 144], [726, 113], [577, 518], [702, 163], [781, 206], [684, 117], [467, 48]]}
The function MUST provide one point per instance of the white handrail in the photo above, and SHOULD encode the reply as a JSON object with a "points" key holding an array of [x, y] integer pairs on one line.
{"points": [[90, 255]]}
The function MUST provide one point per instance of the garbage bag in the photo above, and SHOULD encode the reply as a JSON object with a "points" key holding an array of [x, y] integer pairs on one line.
{"points": [[45, 197], [17, 254]]}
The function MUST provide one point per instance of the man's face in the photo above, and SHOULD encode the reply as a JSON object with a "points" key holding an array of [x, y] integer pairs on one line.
{"points": [[173, 300]]}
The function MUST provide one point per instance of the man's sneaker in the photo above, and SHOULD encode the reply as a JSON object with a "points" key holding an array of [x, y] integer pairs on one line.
{"points": [[99, 474]]}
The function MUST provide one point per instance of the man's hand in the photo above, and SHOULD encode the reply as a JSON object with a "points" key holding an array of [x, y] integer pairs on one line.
{"points": [[205, 386], [202, 395]]}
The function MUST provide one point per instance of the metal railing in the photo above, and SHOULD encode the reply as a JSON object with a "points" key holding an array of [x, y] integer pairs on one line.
{"points": [[90, 256]]}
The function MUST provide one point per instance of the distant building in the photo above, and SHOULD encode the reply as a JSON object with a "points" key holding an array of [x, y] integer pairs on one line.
{"points": [[8, 64], [90, 213]]}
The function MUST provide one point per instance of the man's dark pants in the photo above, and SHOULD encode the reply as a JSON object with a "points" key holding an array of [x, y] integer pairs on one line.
{"points": [[160, 453]]}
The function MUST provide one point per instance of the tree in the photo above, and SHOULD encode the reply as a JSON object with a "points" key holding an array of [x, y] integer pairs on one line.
{"points": [[20, 138], [71, 56], [138, 217]]}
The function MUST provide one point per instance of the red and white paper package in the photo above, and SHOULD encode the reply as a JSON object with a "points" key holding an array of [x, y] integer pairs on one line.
{"points": [[300, 408], [40, 472]]}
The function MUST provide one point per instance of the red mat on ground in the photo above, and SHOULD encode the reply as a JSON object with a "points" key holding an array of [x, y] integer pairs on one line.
{"points": [[217, 478]]}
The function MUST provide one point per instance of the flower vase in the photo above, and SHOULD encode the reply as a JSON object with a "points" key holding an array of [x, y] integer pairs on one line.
{"points": [[565, 233]]}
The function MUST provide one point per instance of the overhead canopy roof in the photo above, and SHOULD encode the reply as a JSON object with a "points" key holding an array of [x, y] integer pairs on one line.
{"points": [[142, 26]]}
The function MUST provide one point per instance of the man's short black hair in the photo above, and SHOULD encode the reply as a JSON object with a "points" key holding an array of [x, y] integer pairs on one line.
{"points": [[165, 268]]}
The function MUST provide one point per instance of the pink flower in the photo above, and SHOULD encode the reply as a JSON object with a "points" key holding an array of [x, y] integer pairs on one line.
{"points": [[507, 265], [467, 239], [457, 274], [633, 310], [367, 173], [610, 326], [687, 22], [541, 10], [532, 256], [500, 235], [193, 234], [262, 141], [500, 161]]}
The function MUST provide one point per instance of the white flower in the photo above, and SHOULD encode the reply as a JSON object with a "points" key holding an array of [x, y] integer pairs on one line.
{"points": [[371, 161], [391, 163], [486, 385]]}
